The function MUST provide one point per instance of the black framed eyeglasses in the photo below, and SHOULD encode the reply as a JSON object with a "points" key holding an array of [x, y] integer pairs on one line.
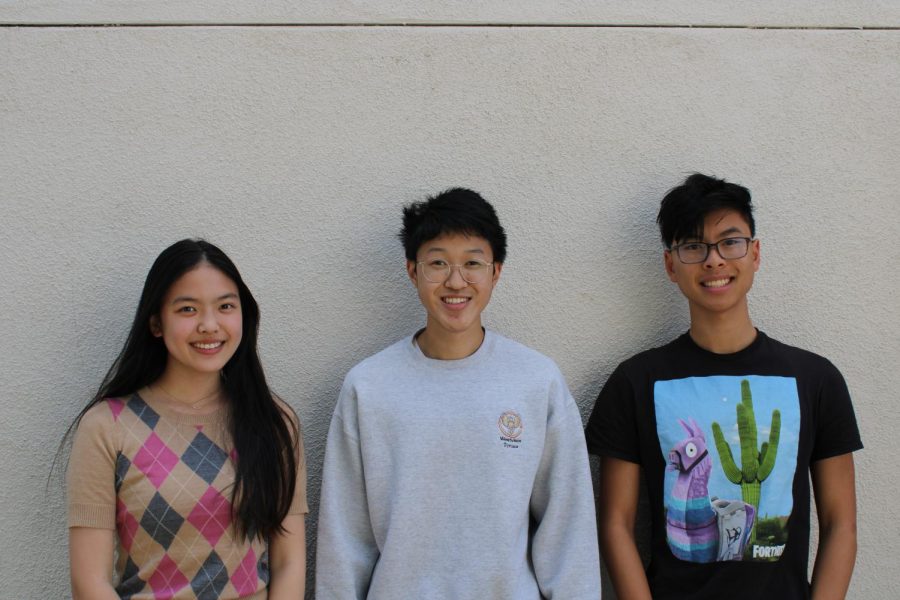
{"points": [[729, 248]]}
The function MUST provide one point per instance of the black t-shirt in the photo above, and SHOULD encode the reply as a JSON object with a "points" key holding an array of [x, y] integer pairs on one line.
{"points": [[726, 441]]}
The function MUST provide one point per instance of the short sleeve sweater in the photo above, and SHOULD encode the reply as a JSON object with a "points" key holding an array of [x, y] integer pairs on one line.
{"points": [[162, 480]]}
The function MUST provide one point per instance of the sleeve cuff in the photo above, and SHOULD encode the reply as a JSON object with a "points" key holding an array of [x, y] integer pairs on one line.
{"points": [[98, 516]]}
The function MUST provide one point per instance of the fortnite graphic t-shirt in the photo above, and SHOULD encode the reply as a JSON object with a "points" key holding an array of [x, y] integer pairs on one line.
{"points": [[726, 442], [728, 494]]}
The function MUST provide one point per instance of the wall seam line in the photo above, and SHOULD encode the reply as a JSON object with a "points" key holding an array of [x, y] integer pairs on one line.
{"points": [[486, 25]]}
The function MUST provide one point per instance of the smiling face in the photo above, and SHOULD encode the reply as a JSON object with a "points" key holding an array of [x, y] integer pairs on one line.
{"points": [[454, 305], [200, 322], [716, 288]]}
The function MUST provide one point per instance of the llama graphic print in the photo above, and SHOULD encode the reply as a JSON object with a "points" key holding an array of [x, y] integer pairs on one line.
{"points": [[730, 447]]}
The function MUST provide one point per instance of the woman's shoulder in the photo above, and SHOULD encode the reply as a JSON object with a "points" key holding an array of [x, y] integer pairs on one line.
{"points": [[99, 425], [283, 405], [287, 411], [105, 412]]}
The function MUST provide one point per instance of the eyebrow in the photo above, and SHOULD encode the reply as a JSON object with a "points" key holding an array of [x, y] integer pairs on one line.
{"points": [[228, 296], [470, 251], [730, 230], [721, 235]]}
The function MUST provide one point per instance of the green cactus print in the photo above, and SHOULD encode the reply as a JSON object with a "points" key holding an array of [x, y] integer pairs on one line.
{"points": [[756, 465]]}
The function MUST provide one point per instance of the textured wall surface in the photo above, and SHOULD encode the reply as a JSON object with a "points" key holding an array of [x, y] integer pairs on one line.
{"points": [[762, 13], [295, 147]]}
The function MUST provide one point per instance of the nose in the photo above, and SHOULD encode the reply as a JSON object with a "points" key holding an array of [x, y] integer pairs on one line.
{"points": [[208, 322], [713, 258], [455, 280]]}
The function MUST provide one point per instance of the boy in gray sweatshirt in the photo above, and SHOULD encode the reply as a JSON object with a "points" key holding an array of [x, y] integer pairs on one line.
{"points": [[456, 466]]}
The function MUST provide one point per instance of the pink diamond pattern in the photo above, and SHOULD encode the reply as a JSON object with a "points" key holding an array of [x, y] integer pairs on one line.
{"points": [[155, 460], [126, 525], [116, 406], [211, 516], [244, 578], [167, 579], [153, 454]]}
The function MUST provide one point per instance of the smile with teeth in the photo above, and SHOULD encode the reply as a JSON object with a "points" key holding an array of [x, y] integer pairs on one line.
{"points": [[206, 346], [717, 283], [455, 299]]}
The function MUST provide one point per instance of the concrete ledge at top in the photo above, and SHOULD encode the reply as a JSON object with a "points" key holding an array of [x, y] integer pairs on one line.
{"points": [[701, 13]]}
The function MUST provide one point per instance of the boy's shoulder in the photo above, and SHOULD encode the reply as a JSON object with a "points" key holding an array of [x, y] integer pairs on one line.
{"points": [[388, 358], [778, 348], [509, 350], [793, 359], [658, 354]]}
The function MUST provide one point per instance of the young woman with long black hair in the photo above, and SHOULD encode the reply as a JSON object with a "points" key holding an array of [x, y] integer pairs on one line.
{"points": [[185, 463]]}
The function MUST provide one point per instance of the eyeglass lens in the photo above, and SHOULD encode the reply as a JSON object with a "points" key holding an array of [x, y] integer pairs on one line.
{"points": [[729, 249], [439, 271]]}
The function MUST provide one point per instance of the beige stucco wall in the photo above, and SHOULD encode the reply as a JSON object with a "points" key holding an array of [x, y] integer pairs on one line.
{"points": [[294, 147], [703, 13]]}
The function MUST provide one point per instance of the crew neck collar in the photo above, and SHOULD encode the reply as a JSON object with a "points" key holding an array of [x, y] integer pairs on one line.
{"points": [[750, 349], [174, 416], [418, 357]]}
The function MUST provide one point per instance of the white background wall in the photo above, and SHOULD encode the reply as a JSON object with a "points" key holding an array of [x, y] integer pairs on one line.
{"points": [[294, 147]]}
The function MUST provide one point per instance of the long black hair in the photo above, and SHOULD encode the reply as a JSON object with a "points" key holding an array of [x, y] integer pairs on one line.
{"points": [[264, 434]]}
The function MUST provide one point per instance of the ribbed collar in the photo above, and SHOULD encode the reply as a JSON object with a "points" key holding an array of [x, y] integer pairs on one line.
{"points": [[173, 416], [689, 345], [479, 356]]}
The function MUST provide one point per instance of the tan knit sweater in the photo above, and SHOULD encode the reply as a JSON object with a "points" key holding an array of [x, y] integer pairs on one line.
{"points": [[162, 480]]}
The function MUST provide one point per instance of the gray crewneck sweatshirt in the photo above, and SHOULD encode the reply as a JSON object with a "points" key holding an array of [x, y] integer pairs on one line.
{"points": [[457, 480]]}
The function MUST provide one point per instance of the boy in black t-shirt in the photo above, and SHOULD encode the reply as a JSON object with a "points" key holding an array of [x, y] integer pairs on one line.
{"points": [[726, 424]]}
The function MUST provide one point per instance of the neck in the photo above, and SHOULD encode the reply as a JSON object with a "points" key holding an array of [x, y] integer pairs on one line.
{"points": [[189, 388], [450, 346], [724, 334]]}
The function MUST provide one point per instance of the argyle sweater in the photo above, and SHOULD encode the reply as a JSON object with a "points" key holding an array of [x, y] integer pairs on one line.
{"points": [[162, 480]]}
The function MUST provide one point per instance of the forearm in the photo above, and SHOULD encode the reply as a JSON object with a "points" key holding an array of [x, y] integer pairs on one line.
{"points": [[618, 499], [346, 550], [288, 581], [834, 563], [83, 589], [90, 563], [626, 570], [345, 560], [287, 560], [834, 484], [564, 551]]}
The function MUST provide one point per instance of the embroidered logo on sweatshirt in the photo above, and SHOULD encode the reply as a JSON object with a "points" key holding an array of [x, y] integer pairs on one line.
{"points": [[511, 428]]}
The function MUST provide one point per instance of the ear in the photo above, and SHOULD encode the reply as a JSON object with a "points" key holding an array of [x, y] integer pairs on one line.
{"points": [[155, 326], [754, 251], [413, 272], [498, 266], [698, 431], [668, 260], [686, 427]]}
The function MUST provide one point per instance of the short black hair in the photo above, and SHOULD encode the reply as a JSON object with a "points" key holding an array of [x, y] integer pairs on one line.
{"points": [[684, 208], [457, 210]]}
